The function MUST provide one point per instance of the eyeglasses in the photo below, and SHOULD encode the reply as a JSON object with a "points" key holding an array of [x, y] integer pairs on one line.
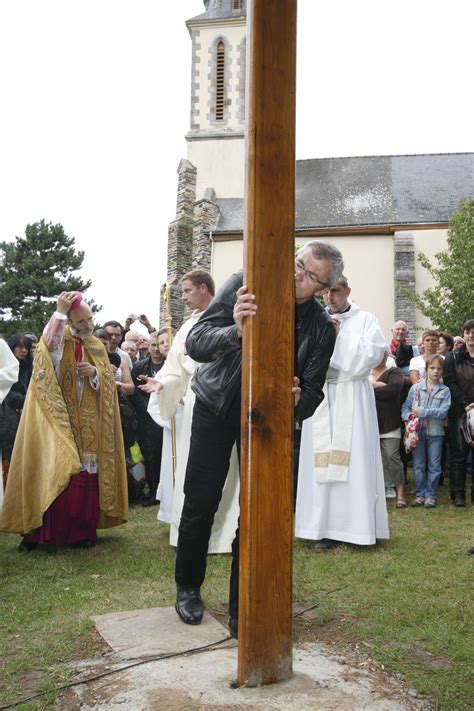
{"points": [[311, 276]]}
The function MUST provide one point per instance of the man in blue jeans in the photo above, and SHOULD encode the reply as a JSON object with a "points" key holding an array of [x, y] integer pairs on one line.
{"points": [[215, 341]]}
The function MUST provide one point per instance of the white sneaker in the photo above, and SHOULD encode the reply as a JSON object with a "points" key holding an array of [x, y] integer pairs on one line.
{"points": [[390, 493]]}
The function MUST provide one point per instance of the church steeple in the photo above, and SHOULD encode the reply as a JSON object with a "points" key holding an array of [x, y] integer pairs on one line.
{"points": [[216, 134]]}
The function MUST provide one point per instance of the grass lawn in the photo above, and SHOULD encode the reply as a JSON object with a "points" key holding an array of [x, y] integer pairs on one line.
{"points": [[408, 599]]}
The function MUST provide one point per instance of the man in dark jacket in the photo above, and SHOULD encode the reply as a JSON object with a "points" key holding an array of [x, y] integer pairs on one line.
{"points": [[215, 340], [149, 433]]}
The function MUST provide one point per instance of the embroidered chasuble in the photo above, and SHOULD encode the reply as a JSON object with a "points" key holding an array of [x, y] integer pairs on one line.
{"points": [[66, 427]]}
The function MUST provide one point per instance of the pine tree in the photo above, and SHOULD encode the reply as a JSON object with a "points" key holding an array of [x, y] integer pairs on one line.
{"points": [[449, 303], [33, 271]]}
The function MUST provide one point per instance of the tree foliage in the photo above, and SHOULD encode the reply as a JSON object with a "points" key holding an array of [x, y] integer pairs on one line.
{"points": [[449, 303], [33, 271]]}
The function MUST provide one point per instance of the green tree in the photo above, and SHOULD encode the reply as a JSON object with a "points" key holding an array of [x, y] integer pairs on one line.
{"points": [[33, 271], [449, 303]]}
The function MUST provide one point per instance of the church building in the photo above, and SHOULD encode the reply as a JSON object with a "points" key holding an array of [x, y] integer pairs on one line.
{"points": [[380, 211]]}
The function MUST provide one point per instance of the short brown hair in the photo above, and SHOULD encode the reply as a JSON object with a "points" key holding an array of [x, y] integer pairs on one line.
{"points": [[432, 358], [430, 332], [198, 277]]}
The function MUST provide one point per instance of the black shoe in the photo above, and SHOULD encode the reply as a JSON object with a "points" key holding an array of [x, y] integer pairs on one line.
{"points": [[26, 547], [459, 501], [84, 544], [470, 551], [189, 605], [150, 501], [234, 627]]}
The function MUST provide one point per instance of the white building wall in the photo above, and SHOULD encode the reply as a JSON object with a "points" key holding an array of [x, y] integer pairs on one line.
{"points": [[429, 242], [221, 165]]}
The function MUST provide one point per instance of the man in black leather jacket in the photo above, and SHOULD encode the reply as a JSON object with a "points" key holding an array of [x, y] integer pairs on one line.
{"points": [[215, 341]]}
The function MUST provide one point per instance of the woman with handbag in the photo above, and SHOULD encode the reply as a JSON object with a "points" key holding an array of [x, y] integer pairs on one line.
{"points": [[429, 400], [459, 377]]}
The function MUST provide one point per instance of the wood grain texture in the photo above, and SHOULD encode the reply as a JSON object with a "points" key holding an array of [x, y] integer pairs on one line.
{"points": [[265, 600]]}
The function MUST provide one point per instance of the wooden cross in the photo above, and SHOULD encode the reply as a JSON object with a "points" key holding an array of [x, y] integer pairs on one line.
{"points": [[265, 599]]}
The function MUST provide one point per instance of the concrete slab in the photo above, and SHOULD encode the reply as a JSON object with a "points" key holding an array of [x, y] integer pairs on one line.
{"points": [[146, 633], [202, 681]]}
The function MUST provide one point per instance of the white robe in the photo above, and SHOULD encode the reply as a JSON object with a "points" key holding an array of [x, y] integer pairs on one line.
{"points": [[9, 368], [353, 511], [176, 376]]}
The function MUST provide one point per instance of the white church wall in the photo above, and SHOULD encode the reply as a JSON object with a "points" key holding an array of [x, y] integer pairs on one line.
{"points": [[213, 158], [429, 242]]}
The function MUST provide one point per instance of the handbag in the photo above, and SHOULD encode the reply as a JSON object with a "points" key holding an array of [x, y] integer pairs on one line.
{"points": [[412, 425], [467, 428]]}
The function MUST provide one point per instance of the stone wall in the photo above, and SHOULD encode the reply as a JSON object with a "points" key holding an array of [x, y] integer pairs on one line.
{"points": [[404, 275], [180, 240], [206, 215]]}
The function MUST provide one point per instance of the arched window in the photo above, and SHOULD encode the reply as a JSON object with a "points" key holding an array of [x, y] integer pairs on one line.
{"points": [[220, 66]]}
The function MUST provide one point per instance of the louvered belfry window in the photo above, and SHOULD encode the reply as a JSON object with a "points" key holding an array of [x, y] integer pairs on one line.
{"points": [[220, 82], [236, 4]]}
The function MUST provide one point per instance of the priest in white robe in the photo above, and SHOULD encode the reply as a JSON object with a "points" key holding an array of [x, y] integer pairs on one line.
{"points": [[170, 388], [9, 368], [341, 492]]}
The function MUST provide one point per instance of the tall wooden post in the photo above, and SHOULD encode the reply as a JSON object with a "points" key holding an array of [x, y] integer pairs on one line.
{"points": [[265, 600]]}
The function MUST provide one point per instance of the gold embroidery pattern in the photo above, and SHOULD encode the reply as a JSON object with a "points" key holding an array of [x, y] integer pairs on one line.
{"points": [[321, 459], [340, 458], [335, 456]]}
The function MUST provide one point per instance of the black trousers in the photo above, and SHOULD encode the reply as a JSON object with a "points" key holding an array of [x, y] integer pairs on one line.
{"points": [[150, 439], [459, 452], [212, 440]]}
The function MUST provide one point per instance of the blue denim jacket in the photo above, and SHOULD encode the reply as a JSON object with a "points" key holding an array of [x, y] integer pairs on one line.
{"points": [[434, 408]]}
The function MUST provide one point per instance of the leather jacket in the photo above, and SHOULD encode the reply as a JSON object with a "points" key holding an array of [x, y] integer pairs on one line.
{"points": [[214, 341]]}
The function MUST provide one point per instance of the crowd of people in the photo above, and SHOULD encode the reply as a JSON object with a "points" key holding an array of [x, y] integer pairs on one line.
{"points": [[82, 408]]}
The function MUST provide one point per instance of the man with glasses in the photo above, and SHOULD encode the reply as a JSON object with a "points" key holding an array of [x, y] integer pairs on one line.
{"points": [[341, 491], [215, 341]]}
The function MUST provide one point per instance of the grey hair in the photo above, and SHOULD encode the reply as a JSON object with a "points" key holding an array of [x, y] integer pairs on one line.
{"points": [[342, 281], [325, 251]]}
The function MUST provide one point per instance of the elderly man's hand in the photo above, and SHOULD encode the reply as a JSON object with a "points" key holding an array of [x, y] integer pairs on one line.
{"points": [[86, 370], [65, 300], [244, 306]]}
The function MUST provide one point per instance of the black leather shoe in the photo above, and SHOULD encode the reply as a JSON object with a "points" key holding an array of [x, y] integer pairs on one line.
{"points": [[189, 605], [234, 627], [459, 501], [149, 501], [26, 547]]}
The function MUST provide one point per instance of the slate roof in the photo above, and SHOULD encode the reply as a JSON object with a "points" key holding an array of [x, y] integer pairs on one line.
{"points": [[220, 10], [373, 190]]}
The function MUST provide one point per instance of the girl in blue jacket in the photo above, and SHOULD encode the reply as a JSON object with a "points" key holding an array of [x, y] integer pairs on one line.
{"points": [[429, 400]]}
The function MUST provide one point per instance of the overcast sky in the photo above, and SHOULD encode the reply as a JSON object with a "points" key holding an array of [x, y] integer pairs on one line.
{"points": [[95, 106]]}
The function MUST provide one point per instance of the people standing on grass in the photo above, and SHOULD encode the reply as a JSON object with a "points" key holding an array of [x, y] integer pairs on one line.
{"points": [[429, 400]]}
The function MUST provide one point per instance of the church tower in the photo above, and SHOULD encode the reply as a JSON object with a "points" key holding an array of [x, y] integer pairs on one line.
{"points": [[215, 140]]}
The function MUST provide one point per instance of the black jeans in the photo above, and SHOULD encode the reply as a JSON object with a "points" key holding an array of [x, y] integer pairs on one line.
{"points": [[212, 440], [150, 439], [459, 452]]}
